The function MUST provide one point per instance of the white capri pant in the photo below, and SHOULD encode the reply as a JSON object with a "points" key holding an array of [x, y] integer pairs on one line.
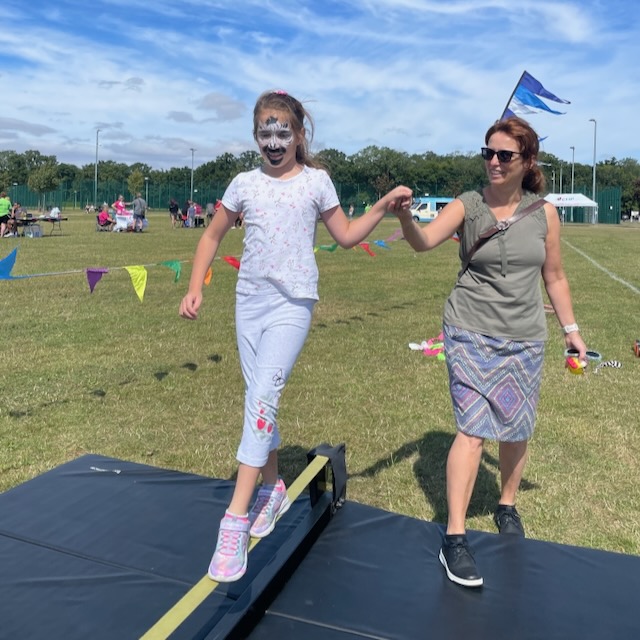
{"points": [[271, 331]]}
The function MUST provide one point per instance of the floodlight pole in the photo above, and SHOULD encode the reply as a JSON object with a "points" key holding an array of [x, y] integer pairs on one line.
{"points": [[95, 173], [191, 196], [573, 168], [593, 187]]}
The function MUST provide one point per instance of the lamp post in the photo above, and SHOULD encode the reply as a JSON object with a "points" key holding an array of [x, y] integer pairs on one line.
{"points": [[95, 173], [191, 192], [573, 167], [146, 190], [593, 187]]}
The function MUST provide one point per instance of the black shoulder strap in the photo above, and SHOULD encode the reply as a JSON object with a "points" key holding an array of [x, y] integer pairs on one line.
{"points": [[500, 225]]}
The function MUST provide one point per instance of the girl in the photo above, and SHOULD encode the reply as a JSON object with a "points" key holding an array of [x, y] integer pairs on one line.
{"points": [[495, 327], [276, 291]]}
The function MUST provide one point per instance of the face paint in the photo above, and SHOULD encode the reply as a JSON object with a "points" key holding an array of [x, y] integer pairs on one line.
{"points": [[274, 138]]}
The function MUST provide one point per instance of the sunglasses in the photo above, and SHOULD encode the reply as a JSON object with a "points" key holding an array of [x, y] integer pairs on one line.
{"points": [[503, 154]]}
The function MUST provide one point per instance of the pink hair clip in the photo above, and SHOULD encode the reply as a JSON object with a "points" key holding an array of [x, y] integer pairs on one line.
{"points": [[280, 92]]}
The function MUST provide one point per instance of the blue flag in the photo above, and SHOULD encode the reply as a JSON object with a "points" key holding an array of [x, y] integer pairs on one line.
{"points": [[525, 98]]}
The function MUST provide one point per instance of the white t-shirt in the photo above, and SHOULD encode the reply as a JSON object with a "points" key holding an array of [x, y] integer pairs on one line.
{"points": [[280, 219]]}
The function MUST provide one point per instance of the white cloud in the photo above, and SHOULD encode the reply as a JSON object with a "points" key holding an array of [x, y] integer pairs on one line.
{"points": [[160, 78]]}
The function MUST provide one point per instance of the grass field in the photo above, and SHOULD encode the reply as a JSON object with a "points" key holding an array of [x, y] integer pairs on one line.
{"points": [[104, 373]]}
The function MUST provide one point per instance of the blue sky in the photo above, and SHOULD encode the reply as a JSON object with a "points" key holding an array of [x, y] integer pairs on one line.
{"points": [[161, 77]]}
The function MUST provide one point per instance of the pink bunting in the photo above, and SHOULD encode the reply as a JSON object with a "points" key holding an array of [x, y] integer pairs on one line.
{"points": [[396, 235]]}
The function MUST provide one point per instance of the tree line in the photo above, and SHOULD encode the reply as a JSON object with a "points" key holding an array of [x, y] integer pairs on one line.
{"points": [[360, 178]]}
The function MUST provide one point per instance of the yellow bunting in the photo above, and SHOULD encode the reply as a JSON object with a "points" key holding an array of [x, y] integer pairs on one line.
{"points": [[138, 280]]}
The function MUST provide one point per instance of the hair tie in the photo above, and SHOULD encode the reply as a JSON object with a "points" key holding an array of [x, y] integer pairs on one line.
{"points": [[281, 92]]}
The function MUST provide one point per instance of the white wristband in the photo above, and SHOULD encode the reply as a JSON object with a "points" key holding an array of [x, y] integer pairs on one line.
{"points": [[570, 328]]}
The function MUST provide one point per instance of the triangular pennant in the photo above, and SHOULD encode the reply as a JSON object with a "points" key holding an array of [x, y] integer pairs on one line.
{"points": [[329, 247], [365, 246], [175, 266], [396, 235], [6, 265], [208, 276], [382, 243], [138, 280], [234, 262], [93, 277]]}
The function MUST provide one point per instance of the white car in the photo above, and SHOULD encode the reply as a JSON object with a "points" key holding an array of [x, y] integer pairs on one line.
{"points": [[421, 212]]}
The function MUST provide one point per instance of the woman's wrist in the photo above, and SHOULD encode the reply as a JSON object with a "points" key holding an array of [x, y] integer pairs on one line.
{"points": [[570, 328]]}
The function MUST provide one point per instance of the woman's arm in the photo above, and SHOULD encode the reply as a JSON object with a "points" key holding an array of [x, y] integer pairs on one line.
{"points": [[556, 283], [446, 223]]}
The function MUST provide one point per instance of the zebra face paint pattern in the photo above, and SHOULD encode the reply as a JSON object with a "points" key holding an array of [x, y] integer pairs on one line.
{"points": [[274, 138]]}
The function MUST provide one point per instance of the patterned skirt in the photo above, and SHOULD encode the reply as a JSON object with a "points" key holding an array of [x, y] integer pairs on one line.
{"points": [[494, 383]]}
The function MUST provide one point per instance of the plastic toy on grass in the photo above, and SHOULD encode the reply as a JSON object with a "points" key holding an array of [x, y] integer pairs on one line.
{"points": [[575, 366]]}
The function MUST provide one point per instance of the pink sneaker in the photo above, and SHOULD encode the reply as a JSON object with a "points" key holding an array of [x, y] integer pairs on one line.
{"points": [[272, 501], [229, 561]]}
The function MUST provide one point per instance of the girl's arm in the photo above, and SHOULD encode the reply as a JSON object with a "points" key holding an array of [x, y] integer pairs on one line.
{"points": [[556, 283], [205, 253], [348, 233], [446, 223]]}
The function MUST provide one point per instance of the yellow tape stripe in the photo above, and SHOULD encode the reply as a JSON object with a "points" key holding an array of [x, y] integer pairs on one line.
{"points": [[173, 618]]}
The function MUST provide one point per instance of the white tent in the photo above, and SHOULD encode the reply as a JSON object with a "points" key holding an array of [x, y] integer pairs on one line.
{"points": [[570, 200]]}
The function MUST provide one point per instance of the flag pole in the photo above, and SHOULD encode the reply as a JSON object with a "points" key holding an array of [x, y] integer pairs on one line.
{"points": [[512, 94]]}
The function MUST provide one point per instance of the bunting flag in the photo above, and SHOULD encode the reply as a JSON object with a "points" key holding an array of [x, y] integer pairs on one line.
{"points": [[208, 276], [396, 235], [525, 99], [382, 243], [94, 276], [138, 279], [234, 262], [365, 246], [328, 247], [174, 265], [6, 265]]}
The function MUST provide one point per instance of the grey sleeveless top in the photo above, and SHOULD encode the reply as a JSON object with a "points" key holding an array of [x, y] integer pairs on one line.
{"points": [[499, 294]]}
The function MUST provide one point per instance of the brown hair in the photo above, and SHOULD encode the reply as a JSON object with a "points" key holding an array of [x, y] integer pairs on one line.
{"points": [[522, 132], [300, 118]]}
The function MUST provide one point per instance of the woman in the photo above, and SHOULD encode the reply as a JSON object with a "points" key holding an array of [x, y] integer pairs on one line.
{"points": [[495, 327]]}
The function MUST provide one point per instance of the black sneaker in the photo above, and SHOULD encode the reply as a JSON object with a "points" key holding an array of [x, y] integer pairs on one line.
{"points": [[508, 521], [457, 559]]}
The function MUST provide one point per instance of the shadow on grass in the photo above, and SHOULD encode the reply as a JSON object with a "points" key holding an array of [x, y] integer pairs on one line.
{"points": [[360, 319], [430, 472], [292, 461]]}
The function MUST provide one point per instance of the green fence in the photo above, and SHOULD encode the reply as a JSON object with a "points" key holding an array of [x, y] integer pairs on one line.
{"points": [[158, 196]]}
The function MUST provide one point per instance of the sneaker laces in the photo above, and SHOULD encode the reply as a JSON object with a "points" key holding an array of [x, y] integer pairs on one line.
{"points": [[263, 500], [230, 542]]}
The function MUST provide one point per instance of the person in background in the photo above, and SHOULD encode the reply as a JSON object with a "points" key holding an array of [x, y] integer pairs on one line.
{"points": [[12, 224], [120, 206], [5, 212], [174, 212], [185, 212], [139, 212], [104, 218], [276, 291], [495, 326], [209, 212]]}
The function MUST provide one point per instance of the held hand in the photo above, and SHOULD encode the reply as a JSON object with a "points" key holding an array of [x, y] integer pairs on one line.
{"points": [[398, 199], [190, 305], [573, 340]]}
